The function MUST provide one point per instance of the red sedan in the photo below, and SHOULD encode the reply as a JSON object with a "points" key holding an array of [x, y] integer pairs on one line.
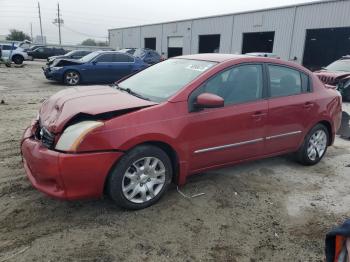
{"points": [[180, 117]]}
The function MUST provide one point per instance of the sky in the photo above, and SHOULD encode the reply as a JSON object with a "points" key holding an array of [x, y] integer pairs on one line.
{"points": [[92, 18]]}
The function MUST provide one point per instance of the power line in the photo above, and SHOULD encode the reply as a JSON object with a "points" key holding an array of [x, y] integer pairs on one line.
{"points": [[81, 33]]}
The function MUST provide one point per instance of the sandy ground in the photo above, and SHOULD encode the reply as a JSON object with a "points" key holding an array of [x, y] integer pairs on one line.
{"points": [[268, 210]]}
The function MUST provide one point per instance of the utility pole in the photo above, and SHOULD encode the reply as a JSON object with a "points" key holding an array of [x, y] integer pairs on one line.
{"points": [[41, 27], [59, 22], [31, 31]]}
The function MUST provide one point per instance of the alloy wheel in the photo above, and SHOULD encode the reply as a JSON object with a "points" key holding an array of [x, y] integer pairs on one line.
{"points": [[317, 145], [72, 78], [143, 180]]}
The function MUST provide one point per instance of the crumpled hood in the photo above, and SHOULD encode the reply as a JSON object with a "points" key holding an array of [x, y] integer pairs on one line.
{"points": [[66, 62], [331, 78], [92, 100]]}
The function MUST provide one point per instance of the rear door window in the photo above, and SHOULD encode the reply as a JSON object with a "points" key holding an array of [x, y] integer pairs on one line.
{"points": [[285, 81]]}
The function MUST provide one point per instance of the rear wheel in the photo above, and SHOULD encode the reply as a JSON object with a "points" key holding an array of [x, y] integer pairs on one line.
{"points": [[314, 146], [18, 59], [71, 78], [140, 178]]}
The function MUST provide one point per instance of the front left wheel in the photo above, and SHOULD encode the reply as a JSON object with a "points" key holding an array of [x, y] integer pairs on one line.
{"points": [[71, 78], [140, 178]]}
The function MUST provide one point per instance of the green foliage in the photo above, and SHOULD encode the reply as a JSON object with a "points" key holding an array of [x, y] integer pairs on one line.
{"points": [[89, 42], [92, 42], [17, 35]]}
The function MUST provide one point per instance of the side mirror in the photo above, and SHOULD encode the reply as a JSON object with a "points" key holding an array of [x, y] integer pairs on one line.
{"points": [[208, 100], [94, 62]]}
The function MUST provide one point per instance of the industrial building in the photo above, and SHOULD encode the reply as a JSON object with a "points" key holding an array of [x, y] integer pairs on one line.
{"points": [[313, 34]]}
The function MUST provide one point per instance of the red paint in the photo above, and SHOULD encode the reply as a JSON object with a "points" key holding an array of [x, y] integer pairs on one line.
{"points": [[207, 100], [83, 174]]}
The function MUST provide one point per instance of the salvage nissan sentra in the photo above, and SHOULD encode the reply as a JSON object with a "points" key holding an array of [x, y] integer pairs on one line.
{"points": [[180, 117]]}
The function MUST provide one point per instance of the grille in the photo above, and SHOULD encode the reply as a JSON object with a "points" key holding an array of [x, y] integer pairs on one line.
{"points": [[46, 138]]}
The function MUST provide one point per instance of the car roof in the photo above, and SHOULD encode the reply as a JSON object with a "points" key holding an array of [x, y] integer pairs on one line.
{"points": [[214, 57]]}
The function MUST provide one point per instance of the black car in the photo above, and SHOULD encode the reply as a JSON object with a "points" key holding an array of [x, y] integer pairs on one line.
{"points": [[75, 54], [33, 48], [45, 52]]}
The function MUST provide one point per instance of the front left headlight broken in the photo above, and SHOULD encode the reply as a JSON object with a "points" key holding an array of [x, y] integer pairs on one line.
{"points": [[74, 135]]}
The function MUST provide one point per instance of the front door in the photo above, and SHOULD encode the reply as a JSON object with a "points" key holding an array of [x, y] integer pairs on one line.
{"points": [[236, 131], [122, 65], [99, 70]]}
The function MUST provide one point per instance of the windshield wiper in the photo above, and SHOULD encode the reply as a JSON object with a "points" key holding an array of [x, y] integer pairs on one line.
{"points": [[128, 90]]}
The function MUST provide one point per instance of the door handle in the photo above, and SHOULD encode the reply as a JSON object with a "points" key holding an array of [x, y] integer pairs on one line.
{"points": [[258, 115], [308, 105]]}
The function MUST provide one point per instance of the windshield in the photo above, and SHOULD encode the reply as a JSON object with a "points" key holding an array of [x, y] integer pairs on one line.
{"points": [[161, 81], [88, 57], [340, 65]]}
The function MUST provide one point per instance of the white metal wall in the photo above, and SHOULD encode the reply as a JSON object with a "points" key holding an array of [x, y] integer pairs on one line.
{"points": [[131, 37], [324, 15], [222, 25], [280, 21], [290, 25], [177, 29], [116, 39], [152, 31]]}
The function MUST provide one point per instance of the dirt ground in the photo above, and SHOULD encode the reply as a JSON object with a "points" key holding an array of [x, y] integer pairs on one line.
{"points": [[268, 210]]}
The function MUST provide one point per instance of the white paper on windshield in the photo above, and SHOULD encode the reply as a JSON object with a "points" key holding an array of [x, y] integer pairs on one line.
{"points": [[200, 68]]}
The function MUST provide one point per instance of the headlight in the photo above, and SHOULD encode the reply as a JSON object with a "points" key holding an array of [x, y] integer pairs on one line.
{"points": [[54, 68], [74, 134]]}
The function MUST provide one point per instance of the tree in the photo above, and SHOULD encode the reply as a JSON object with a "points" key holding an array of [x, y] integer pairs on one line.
{"points": [[101, 44], [89, 42], [17, 35]]}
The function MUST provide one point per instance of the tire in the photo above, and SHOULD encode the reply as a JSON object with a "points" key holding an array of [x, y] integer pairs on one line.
{"points": [[129, 186], [71, 78], [314, 146], [18, 59]]}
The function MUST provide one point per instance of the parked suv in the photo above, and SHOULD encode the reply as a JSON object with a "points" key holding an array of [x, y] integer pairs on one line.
{"points": [[18, 55], [177, 118]]}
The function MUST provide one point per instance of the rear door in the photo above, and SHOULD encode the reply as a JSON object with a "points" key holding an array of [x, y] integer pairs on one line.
{"points": [[291, 107], [235, 132]]}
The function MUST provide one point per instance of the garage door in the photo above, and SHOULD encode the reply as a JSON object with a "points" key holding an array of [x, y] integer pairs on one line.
{"points": [[175, 41], [175, 46], [323, 46]]}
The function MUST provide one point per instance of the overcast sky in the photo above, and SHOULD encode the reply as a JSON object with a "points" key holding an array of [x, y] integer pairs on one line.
{"points": [[92, 18]]}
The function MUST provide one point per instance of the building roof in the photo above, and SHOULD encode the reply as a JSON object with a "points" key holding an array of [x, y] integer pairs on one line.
{"points": [[238, 13]]}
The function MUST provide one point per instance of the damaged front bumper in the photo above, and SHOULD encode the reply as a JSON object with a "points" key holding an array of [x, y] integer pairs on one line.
{"points": [[52, 74], [62, 175]]}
